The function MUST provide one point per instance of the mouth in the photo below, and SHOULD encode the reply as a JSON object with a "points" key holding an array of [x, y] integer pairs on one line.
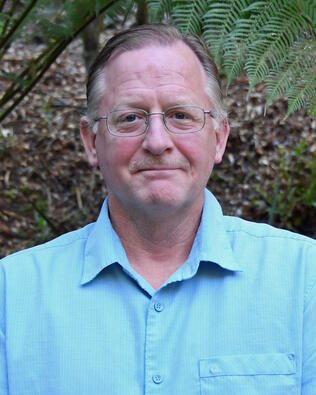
{"points": [[159, 169], [158, 172], [154, 165]]}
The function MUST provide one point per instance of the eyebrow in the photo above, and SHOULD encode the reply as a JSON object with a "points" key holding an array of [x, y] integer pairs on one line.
{"points": [[144, 106]]}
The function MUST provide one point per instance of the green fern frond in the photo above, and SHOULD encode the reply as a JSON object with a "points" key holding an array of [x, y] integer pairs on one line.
{"points": [[234, 59], [308, 8], [158, 9], [298, 61], [274, 41], [312, 109], [118, 12], [245, 31], [188, 15], [303, 93], [219, 21], [236, 46]]}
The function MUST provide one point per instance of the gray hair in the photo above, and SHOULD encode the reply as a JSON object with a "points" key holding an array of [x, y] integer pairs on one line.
{"points": [[140, 36]]}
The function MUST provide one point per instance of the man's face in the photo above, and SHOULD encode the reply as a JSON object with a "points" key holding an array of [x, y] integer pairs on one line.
{"points": [[159, 170]]}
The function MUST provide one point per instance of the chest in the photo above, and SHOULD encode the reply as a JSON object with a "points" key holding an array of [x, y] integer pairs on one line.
{"points": [[212, 334]]}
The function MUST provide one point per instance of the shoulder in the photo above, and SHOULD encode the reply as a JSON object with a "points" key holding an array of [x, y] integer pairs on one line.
{"points": [[65, 245], [239, 227], [274, 249], [56, 264]]}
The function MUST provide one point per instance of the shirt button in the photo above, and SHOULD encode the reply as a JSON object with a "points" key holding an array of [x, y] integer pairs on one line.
{"points": [[157, 379], [214, 370], [158, 307]]}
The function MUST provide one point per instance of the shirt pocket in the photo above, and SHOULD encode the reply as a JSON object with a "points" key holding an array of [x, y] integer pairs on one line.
{"points": [[253, 374]]}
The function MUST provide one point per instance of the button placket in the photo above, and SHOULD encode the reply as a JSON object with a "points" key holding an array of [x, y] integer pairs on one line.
{"points": [[154, 367]]}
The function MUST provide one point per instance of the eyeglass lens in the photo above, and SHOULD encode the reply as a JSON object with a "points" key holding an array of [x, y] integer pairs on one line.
{"points": [[132, 121]]}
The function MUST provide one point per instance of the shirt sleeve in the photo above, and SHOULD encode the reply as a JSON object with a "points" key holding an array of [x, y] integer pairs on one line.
{"points": [[309, 331], [3, 364]]}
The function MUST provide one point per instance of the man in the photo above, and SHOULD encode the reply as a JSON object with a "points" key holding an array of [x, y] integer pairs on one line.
{"points": [[163, 294]]}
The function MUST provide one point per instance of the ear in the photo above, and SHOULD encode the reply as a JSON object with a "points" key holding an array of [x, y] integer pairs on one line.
{"points": [[88, 139], [221, 133]]}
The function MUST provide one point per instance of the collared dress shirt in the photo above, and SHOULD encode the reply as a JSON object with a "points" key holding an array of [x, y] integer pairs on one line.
{"points": [[238, 317]]}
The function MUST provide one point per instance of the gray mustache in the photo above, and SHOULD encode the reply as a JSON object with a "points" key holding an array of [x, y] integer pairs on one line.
{"points": [[151, 162]]}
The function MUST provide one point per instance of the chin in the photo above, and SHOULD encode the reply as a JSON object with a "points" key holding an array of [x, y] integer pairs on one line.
{"points": [[163, 202], [161, 196]]}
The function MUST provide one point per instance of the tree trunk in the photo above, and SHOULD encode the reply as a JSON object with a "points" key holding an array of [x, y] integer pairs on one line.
{"points": [[142, 13], [90, 38]]}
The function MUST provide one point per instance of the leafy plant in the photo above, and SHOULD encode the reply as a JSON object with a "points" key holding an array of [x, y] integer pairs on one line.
{"points": [[56, 23], [293, 202], [272, 40]]}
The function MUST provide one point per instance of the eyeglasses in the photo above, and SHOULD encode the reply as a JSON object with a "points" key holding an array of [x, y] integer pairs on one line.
{"points": [[132, 122]]}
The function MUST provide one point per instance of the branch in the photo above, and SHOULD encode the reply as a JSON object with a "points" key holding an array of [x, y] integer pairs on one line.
{"points": [[53, 56], [9, 13], [5, 43], [2, 4], [46, 64], [15, 87]]}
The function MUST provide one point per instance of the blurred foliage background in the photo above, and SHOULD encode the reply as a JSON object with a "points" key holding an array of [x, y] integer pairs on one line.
{"points": [[262, 46], [272, 40]]}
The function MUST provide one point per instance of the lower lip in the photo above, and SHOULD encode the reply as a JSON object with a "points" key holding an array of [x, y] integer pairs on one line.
{"points": [[161, 169], [157, 172]]}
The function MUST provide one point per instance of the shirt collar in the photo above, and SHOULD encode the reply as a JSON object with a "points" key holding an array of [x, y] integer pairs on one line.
{"points": [[211, 244], [103, 246], [212, 240]]}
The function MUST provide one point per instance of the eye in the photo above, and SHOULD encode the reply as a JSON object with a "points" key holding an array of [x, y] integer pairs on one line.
{"points": [[180, 115], [130, 118], [126, 117]]}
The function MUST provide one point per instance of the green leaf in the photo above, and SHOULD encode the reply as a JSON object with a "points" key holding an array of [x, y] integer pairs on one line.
{"points": [[219, 22], [274, 41], [188, 15], [302, 93], [159, 9], [299, 60], [312, 110], [308, 8]]}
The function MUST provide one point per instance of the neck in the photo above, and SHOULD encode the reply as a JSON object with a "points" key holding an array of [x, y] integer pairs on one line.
{"points": [[156, 245]]}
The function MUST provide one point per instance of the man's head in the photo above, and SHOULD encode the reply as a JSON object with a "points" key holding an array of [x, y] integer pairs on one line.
{"points": [[144, 35], [164, 169]]}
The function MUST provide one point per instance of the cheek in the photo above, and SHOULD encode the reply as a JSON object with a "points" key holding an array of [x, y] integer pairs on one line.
{"points": [[114, 153], [199, 150]]}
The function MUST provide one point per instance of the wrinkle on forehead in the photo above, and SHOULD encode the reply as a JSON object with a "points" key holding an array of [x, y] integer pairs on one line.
{"points": [[174, 68], [158, 64], [147, 80]]}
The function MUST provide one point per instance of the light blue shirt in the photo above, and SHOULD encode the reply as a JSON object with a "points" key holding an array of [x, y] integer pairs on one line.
{"points": [[238, 317]]}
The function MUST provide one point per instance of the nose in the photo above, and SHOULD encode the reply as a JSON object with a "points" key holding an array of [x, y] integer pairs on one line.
{"points": [[157, 139]]}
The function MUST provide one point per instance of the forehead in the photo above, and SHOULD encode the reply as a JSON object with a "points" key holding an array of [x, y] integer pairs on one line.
{"points": [[177, 53], [154, 70]]}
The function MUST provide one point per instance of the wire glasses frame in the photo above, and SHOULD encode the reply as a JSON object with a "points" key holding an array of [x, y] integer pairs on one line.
{"points": [[133, 122]]}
